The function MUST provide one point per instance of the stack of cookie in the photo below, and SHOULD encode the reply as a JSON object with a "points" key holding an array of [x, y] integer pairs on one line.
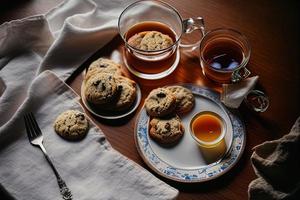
{"points": [[107, 88], [164, 105]]}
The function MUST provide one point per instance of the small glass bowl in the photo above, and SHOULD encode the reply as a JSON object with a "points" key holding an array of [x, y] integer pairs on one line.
{"points": [[257, 101], [215, 142]]}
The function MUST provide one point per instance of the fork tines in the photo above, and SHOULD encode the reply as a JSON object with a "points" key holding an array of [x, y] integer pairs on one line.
{"points": [[32, 128]]}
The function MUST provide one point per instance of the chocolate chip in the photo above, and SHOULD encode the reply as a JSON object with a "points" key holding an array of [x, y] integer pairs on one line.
{"points": [[103, 65], [97, 83], [80, 115], [103, 87], [161, 95], [168, 126]]}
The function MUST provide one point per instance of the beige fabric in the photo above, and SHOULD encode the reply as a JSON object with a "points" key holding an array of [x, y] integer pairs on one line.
{"points": [[92, 169], [61, 41], [277, 165]]}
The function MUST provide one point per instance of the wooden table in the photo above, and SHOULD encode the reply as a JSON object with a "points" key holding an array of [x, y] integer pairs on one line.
{"points": [[273, 31]]}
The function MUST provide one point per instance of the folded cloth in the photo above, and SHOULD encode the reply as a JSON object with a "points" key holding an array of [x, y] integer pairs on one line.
{"points": [[234, 94], [91, 168], [277, 165], [60, 41]]}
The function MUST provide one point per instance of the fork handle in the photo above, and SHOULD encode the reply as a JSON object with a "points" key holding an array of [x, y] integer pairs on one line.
{"points": [[63, 188]]}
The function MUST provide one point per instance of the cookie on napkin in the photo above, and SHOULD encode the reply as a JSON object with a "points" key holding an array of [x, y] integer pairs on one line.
{"points": [[71, 125]]}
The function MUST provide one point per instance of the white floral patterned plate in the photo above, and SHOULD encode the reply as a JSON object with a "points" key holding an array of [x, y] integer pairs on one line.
{"points": [[186, 161]]}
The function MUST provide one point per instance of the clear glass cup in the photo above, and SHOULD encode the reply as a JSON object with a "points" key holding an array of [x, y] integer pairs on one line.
{"points": [[257, 101], [155, 64], [227, 46], [215, 142], [233, 44]]}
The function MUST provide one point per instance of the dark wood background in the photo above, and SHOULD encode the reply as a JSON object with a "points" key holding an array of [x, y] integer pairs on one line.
{"points": [[273, 30]]}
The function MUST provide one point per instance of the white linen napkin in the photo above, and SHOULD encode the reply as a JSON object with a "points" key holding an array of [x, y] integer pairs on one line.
{"points": [[60, 41], [90, 167], [234, 94], [277, 164]]}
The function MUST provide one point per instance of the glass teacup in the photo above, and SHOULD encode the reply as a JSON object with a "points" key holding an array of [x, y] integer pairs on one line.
{"points": [[224, 54], [158, 16], [208, 129]]}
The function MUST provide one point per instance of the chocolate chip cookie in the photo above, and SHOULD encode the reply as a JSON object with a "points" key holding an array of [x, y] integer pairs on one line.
{"points": [[103, 65], [160, 102], [71, 125], [101, 88], [185, 99], [126, 94], [150, 40], [166, 130]]}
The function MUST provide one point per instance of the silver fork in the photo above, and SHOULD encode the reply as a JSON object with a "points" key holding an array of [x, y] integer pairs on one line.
{"points": [[36, 138]]}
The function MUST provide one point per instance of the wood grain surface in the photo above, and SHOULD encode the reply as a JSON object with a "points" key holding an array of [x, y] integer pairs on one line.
{"points": [[273, 30]]}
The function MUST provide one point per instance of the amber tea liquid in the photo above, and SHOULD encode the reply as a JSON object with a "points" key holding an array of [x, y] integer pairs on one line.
{"points": [[223, 55], [146, 66], [220, 58]]}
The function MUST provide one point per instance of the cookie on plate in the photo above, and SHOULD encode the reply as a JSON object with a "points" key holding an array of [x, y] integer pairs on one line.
{"points": [[150, 40], [103, 65], [126, 94], [101, 88], [160, 102], [185, 99], [166, 130], [71, 125]]}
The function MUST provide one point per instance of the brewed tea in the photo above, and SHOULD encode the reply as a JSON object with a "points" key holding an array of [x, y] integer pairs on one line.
{"points": [[150, 26], [223, 54], [151, 63]]}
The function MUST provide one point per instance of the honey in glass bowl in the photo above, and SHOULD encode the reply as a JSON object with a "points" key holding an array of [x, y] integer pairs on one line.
{"points": [[208, 129]]}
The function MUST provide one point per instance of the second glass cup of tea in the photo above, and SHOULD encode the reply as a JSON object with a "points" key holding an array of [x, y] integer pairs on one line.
{"points": [[224, 54], [157, 16]]}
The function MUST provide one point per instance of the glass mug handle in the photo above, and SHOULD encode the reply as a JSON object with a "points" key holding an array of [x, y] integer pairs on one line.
{"points": [[189, 25], [240, 74]]}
